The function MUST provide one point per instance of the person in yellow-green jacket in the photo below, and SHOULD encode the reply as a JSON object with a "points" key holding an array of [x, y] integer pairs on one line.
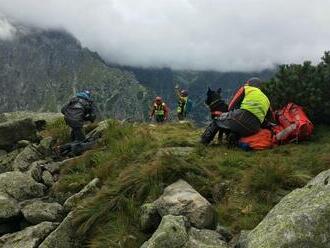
{"points": [[182, 96], [248, 110]]}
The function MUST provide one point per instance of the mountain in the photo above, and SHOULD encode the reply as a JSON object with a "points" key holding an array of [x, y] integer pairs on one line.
{"points": [[41, 69]]}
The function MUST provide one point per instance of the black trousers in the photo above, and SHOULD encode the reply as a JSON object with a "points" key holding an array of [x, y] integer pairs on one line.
{"points": [[77, 134]]}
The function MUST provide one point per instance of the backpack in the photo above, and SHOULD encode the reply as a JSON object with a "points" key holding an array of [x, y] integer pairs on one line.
{"points": [[294, 124], [189, 106], [262, 140]]}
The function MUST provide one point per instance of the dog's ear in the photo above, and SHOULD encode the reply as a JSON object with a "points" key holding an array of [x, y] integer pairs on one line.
{"points": [[219, 90], [209, 91]]}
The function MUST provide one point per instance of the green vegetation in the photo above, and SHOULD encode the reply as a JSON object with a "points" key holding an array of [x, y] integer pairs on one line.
{"points": [[242, 186], [306, 85]]}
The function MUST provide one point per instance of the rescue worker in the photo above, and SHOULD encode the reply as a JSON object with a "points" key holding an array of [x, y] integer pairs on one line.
{"points": [[159, 110], [247, 111], [182, 96], [79, 109]]}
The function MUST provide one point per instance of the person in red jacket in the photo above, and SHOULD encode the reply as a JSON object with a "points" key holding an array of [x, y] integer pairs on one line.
{"points": [[159, 110]]}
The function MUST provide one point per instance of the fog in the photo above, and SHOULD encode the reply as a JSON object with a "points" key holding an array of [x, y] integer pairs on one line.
{"points": [[223, 35]]}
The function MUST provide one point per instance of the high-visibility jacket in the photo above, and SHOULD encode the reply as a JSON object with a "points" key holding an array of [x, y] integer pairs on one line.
{"points": [[159, 109], [253, 100]]}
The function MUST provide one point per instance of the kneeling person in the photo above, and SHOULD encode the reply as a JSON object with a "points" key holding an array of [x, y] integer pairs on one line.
{"points": [[159, 110]]}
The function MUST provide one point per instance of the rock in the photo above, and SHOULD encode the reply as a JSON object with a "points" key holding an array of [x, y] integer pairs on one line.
{"points": [[170, 233], [242, 240], [175, 151], [300, 219], [20, 186], [36, 170], [35, 116], [63, 236], [180, 198], [3, 153], [23, 143], [53, 168], [149, 219], [14, 131], [224, 232], [38, 212], [7, 160], [8, 207], [205, 239], [30, 237], [47, 178], [89, 189], [24, 160], [45, 146]]}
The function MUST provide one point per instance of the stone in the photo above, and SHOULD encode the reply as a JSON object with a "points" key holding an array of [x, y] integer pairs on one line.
{"points": [[30, 237], [38, 212], [23, 143], [8, 207], [63, 236], [175, 151], [7, 160], [53, 167], [47, 178], [13, 131], [205, 239], [45, 146], [20, 186], [224, 232], [180, 198], [89, 189], [300, 219], [24, 159], [149, 217], [36, 170], [170, 233], [3, 153]]}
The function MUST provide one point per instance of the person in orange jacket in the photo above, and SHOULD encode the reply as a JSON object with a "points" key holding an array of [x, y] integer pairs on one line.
{"points": [[159, 110]]}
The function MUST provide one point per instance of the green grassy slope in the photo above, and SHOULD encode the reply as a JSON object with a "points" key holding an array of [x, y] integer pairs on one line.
{"points": [[242, 186]]}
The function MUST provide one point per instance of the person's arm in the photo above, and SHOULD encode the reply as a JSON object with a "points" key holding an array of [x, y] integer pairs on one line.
{"points": [[152, 111], [236, 101]]}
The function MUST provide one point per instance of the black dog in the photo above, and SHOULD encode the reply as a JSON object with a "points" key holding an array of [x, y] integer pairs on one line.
{"points": [[216, 105]]}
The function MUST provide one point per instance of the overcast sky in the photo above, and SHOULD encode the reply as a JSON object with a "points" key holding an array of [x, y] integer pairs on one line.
{"points": [[225, 35]]}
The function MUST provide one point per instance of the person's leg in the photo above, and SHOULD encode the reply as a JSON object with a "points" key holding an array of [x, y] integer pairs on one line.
{"points": [[159, 118], [209, 133], [78, 134]]}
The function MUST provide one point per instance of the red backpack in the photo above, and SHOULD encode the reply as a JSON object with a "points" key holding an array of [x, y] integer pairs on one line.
{"points": [[294, 124]]}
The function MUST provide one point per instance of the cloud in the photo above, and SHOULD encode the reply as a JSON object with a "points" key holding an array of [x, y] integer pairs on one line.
{"points": [[222, 35], [7, 31]]}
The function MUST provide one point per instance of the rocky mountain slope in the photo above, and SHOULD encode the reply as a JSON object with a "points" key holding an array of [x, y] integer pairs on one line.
{"points": [[41, 69]]}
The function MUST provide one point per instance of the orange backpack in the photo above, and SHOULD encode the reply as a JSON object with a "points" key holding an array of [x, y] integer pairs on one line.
{"points": [[260, 141]]}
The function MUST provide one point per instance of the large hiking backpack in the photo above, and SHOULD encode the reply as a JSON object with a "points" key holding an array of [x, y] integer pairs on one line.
{"points": [[260, 141], [294, 125]]}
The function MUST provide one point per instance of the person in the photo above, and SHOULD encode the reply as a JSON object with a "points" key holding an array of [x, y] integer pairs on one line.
{"points": [[159, 110], [79, 109], [248, 110], [182, 96]]}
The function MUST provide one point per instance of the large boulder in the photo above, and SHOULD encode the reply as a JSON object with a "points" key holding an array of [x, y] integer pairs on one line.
{"points": [[7, 160], [30, 237], [89, 189], [14, 131], [8, 207], [37, 212], [170, 233], [25, 158], [301, 219], [180, 198], [20, 186], [149, 217], [63, 236], [205, 239]]}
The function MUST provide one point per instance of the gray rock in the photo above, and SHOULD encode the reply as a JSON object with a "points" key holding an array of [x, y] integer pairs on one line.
{"points": [[63, 236], [23, 143], [180, 198], [89, 189], [20, 186], [24, 160], [175, 151], [47, 178], [171, 233], [224, 232], [13, 131], [149, 218], [36, 170], [7, 160], [45, 146], [300, 219], [205, 239], [8, 207], [30, 237], [38, 212], [53, 168], [3, 153]]}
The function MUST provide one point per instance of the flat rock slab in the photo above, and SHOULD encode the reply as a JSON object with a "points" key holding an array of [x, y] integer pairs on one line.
{"points": [[30, 237], [20, 186], [180, 198], [38, 212], [300, 219]]}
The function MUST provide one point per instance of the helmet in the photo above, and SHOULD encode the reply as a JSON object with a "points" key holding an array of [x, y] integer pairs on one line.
{"points": [[184, 93], [255, 82], [158, 99]]}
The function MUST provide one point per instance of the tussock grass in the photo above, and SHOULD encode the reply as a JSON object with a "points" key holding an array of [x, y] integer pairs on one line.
{"points": [[242, 186]]}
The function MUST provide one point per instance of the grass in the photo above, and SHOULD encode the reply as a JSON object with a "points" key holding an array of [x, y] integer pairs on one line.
{"points": [[242, 186]]}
